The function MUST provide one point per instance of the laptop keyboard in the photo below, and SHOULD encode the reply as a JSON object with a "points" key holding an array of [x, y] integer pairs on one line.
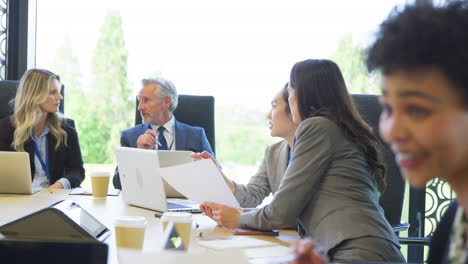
{"points": [[175, 206]]}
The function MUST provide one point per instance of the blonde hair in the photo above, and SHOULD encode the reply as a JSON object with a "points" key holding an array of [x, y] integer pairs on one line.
{"points": [[32, 91]]}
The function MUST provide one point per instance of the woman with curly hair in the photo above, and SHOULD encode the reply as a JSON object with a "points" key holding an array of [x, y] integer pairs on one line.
{"points": [[422, 53]]}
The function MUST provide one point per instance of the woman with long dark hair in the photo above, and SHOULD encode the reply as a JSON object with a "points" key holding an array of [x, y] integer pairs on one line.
{"points": [[331, 186]]}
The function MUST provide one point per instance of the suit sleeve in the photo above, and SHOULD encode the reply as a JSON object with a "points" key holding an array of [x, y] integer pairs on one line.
{"points": [[205, 145], [257, 189], [313, 152], [124, 143], [74, 170]]}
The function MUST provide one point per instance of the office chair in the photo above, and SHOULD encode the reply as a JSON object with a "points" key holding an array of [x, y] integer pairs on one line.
{"points": [[8, 92], [392, 199], [193, 110]]}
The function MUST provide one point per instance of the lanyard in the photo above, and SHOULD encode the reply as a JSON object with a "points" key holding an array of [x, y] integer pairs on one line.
{"points": [[44, 165], [170, 147]]}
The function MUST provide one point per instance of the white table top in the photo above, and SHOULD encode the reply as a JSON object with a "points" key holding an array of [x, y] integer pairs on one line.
{"points": [[106, 211]]}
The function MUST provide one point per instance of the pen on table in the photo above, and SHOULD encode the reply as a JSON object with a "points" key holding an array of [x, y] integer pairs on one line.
{"points": [[151, 128]]}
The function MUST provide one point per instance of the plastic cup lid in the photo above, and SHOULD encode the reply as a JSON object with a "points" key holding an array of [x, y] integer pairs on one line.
{"points": [[100, 174], [130, 221], [176, 217]]}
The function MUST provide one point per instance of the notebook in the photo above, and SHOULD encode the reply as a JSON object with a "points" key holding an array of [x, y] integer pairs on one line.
{"points": [[15, 173], [142, 184]]}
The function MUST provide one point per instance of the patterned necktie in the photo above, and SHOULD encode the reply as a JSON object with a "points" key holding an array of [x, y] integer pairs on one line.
{"points": [[162, 138]]}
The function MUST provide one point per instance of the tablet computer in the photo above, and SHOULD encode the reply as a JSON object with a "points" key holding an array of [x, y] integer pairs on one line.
{"points": [[62, 221]]}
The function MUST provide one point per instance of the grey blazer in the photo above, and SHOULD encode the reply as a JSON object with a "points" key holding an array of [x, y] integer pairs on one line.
{"points": [[268, 177], [328, 188]]}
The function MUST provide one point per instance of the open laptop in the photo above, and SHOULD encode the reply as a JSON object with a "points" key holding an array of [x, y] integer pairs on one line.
{"points": [[15, 173], [142, 184], [168, 158]]}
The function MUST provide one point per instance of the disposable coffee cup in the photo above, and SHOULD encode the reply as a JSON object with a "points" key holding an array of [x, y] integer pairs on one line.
{"points": [[182, 223], [130, 231], [100, 184]]}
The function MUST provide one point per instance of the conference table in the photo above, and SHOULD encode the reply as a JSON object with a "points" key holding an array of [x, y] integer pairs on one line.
{"points": [[106, 211]]}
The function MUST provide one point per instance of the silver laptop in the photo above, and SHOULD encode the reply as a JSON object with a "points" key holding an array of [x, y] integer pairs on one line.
{"points": [[15, 173], [142, 184], [168, 158]]}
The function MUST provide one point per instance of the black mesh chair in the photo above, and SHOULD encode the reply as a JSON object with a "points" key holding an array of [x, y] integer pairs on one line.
{"points": [[193, 110], [8, 92]]}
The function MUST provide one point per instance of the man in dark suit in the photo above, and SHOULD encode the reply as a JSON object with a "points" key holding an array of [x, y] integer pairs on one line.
{"points": [[160, 130]]}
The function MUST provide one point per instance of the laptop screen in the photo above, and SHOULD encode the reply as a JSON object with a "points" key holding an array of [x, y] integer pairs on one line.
{"points": [[15, 173]]}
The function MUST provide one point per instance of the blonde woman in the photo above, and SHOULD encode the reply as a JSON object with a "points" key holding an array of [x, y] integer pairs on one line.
{"points": [[38, 128]]}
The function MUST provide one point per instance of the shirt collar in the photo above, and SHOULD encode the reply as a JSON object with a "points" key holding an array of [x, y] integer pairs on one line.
{"points": [[169, 126], [44, 133]]}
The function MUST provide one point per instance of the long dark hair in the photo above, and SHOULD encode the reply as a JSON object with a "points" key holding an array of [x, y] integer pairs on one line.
{"points": [[321, 91]]}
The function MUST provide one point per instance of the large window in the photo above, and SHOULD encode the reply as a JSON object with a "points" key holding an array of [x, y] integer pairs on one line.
{"points": [[241, 52]]}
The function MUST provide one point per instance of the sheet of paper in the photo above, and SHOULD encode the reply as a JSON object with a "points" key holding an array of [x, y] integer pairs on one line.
{"points": [[200, 181], [267, 252], [170, 257], [235, 242]]}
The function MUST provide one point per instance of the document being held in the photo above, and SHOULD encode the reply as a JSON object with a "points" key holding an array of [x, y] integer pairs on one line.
{"points": [[200, 181]]}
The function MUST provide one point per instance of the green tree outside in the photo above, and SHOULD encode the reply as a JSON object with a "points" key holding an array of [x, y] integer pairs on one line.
{"points": [[350, 58], [242, 135], [108, 108]]}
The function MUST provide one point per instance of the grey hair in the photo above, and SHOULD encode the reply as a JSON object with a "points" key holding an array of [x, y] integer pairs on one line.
{"points": [[166, 88]]}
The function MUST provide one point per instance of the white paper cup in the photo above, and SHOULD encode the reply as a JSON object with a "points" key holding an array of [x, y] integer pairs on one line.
{"points": [[182, 223], [130, 231], [100, 184]]}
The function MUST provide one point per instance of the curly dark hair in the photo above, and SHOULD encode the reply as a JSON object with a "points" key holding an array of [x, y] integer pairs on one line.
{"points": [[425, 36], [321, 91]]}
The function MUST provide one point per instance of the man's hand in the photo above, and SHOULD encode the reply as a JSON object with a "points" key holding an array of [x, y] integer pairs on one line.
{"points": [[147, 140]]}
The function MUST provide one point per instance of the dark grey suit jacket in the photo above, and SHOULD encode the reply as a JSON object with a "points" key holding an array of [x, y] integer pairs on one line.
{"points": [[328, 188], [187, 138]]}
